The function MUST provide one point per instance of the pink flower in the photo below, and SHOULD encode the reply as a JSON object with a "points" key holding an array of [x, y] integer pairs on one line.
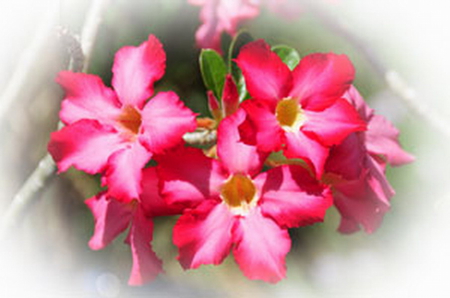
{"points": [[300, 111], [356, 170], [220, 16], [116, 131], [235, 207], [113, 217]]}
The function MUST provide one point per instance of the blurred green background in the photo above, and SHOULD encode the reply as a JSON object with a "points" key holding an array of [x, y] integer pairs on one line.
{"points": [[47, 255]]}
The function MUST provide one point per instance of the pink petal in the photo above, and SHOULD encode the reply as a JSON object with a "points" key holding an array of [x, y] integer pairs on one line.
{"points": [[188, 176], [358, 208], [262, 127], [348, 226], [236, 156], [86, 145], [231, 13], [291, 197], [136, 69], [209, 32], [377, 180], [363, 201], [124, 172], [86, 98], [299, 145], [333, 124], [266, 76], [320, 79], [230, 96], [150, 200], [146, 265], [208, 37], [356, 100], [214, 106], [261, 247], [348, 158], [382, 139], [219, 16], [165, 119], [111, 218], [203, 235]]}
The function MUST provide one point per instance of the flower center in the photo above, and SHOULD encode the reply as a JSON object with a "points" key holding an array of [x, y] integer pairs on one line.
{"points": [[130, 119], [289, 114], [238, 191]]}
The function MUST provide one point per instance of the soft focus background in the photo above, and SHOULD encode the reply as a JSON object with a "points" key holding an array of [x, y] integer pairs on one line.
{"points": [[46, 254]]}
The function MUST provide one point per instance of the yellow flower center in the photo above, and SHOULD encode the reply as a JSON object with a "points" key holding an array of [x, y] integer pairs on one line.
{"points": [[289, 114], [239, 193], [130, 119]]}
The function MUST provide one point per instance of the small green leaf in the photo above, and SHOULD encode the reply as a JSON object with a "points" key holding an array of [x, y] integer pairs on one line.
{"points": [[213, 71], [288, 55], [240, 83], [242, 38]]}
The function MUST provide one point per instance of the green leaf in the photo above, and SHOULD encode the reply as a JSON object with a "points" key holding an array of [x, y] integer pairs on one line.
{"points": [[241, 39], [240, 83], [288, 55], [213, 71]]}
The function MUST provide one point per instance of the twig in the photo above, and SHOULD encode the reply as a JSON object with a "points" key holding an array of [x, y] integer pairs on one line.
{"points": [[392, 78], [45, 170], [201, 138], [46, 167]]}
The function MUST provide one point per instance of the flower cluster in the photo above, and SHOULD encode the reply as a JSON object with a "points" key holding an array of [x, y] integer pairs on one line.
{"points": [[302, 139], [116, 132]]}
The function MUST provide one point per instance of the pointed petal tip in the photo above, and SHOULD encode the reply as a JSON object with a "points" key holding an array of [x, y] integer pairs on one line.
{"points": [[266, 76], [136, 69]]}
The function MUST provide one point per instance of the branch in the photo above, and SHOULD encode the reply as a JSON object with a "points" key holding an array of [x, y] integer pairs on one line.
{"points": [[46, 167], [392, 78], [36, 181]]}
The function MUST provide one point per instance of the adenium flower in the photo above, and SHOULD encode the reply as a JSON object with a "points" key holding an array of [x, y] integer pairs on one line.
{"points": [[112, 217], [301, 111], [220, 16], [356, 170], [235, 207], [116, 131]]}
